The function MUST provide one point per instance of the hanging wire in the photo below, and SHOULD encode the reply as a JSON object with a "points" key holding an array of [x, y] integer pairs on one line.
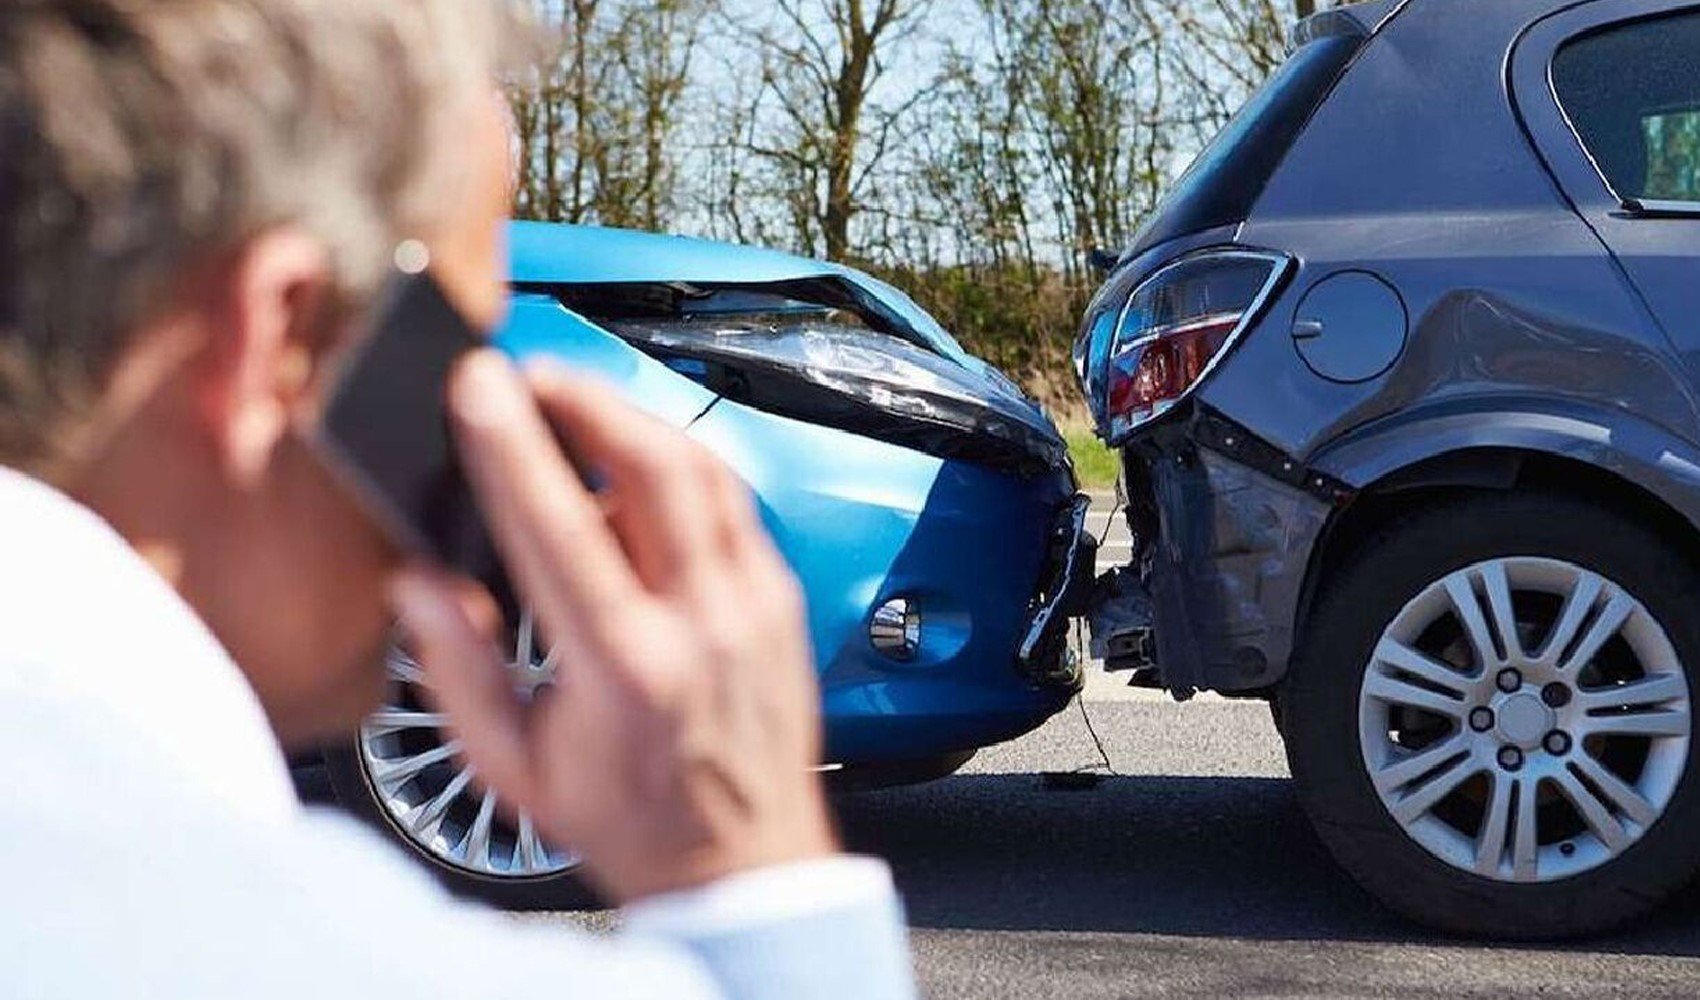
{"points": [[1087, 775], [1091, 729], [1111, 523], [1082, 642]]}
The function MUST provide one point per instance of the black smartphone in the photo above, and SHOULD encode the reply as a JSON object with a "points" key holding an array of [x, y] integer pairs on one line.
{"points": [[384, 429]]}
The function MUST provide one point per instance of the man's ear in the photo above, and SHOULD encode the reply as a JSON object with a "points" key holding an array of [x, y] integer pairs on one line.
{"points": [[262, 348]]}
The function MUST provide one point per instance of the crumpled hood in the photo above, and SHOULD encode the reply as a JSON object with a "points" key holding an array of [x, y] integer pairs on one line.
{"points": [[891, 372], [547, 253], [550, 254]]}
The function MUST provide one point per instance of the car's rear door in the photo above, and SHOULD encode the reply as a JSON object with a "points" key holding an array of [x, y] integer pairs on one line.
{"points": [[1610, 91]]}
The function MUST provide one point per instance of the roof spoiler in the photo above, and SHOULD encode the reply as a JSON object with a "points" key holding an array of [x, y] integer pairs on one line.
{"points": [[1355, 20]]}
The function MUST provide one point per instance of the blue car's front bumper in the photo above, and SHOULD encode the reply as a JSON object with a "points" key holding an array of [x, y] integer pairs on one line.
{"points": [[864, 522]]}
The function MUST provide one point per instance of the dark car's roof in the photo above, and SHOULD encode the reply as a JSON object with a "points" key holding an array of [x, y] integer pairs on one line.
{"points": [[1227, 182], [1432, 81], [1372, 13]]}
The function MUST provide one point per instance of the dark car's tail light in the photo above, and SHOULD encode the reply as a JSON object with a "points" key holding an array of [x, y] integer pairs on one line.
{"points": [[1177, 325]]}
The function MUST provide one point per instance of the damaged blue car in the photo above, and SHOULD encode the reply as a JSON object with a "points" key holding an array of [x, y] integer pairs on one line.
{"points": [[927, 504], [1404, 375]]}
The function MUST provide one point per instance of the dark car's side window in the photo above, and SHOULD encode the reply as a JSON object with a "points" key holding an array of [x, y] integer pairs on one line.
{"points": [[1633, 93]]}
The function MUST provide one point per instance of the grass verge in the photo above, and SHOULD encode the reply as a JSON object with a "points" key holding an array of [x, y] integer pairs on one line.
{"points": [[1096, 464]]}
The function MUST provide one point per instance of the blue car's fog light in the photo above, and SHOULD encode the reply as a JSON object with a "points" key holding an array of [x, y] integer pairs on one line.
{"points": [[896, 629]]}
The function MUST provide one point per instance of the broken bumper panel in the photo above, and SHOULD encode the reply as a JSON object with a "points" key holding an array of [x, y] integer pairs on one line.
{"points": [[1225, 526], [1045, 655], [1122, 622]]}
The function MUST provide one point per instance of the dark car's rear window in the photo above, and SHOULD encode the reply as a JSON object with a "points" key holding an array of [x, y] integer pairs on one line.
{"points": [[1223, 184], [1633, 93]]}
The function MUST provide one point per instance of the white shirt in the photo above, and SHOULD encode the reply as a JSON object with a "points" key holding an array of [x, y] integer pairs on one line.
{"points": [[151, 842]]}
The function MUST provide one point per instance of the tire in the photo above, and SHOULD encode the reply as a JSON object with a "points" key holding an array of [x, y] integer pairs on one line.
{"points": [[1348, 708], [399, 773], [353, 790]]}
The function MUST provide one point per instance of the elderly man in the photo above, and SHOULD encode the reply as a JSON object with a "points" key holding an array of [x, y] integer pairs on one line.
{"points": [[198, 201]]}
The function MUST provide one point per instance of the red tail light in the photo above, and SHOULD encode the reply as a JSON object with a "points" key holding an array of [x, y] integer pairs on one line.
{"points": [[1177, 325]]}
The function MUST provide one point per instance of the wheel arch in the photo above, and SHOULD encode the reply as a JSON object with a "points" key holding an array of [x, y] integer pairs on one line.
{"points": [[1627, 467], [1358, 802]]}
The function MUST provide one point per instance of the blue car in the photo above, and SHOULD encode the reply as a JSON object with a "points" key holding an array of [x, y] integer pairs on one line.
{"points": [[927, 504]]}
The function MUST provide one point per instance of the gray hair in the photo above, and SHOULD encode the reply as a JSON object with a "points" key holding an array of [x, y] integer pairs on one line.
{"points": [[140, 139]]}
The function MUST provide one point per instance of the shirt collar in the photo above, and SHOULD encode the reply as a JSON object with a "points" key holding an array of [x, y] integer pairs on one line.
{"points": [[88, 621]]}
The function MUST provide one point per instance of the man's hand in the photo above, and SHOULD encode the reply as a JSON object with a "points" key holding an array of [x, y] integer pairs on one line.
{"points": [[676, 744]]}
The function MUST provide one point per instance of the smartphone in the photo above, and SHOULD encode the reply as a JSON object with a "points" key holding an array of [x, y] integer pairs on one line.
{"points": [[385, 433]]}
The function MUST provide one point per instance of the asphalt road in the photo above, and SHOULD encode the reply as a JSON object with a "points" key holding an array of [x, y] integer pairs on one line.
{"points": [[1189, 871]]}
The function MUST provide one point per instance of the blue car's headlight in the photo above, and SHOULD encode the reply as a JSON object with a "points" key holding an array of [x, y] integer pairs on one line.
{"points": [[849, 377], [814, 352]]}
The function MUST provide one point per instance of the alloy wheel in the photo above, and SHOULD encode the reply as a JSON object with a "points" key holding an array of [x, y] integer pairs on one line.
{"points": [[429, 791], [1524, 719]]}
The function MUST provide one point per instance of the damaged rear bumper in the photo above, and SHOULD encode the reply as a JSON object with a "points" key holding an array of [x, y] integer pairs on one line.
{"points": [[1224, 528]]}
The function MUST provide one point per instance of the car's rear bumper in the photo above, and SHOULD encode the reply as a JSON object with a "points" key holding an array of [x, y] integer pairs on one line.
{"points": [[1224, 528]]}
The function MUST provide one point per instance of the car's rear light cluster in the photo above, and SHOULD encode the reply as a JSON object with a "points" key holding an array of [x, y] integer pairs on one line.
{"points": [[1177, 325]]}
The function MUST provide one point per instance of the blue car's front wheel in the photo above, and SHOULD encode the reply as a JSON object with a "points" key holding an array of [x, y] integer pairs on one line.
{"points": [[404, 773]]}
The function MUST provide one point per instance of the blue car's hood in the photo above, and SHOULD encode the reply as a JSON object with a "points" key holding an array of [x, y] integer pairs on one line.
{"points": [[920, 375], [549, 254], [545, 253]]}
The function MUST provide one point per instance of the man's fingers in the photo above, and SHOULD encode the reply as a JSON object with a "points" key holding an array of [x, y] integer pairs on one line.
{"points": [[467, 680], [551, 531], [741, 529], [667, 488]]}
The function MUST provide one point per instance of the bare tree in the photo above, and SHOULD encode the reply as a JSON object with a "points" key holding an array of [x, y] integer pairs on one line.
{"points": [[973, 164], [596, 113], [653, 45], [974, 158], [822, 62], [553, 101]]}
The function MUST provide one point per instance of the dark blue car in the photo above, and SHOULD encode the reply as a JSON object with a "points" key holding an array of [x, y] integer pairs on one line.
{"points": [[1406, 375]]}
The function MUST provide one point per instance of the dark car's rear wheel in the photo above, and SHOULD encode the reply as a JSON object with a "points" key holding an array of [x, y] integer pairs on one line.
{"points": [[1489, 720], [402, 773]]}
